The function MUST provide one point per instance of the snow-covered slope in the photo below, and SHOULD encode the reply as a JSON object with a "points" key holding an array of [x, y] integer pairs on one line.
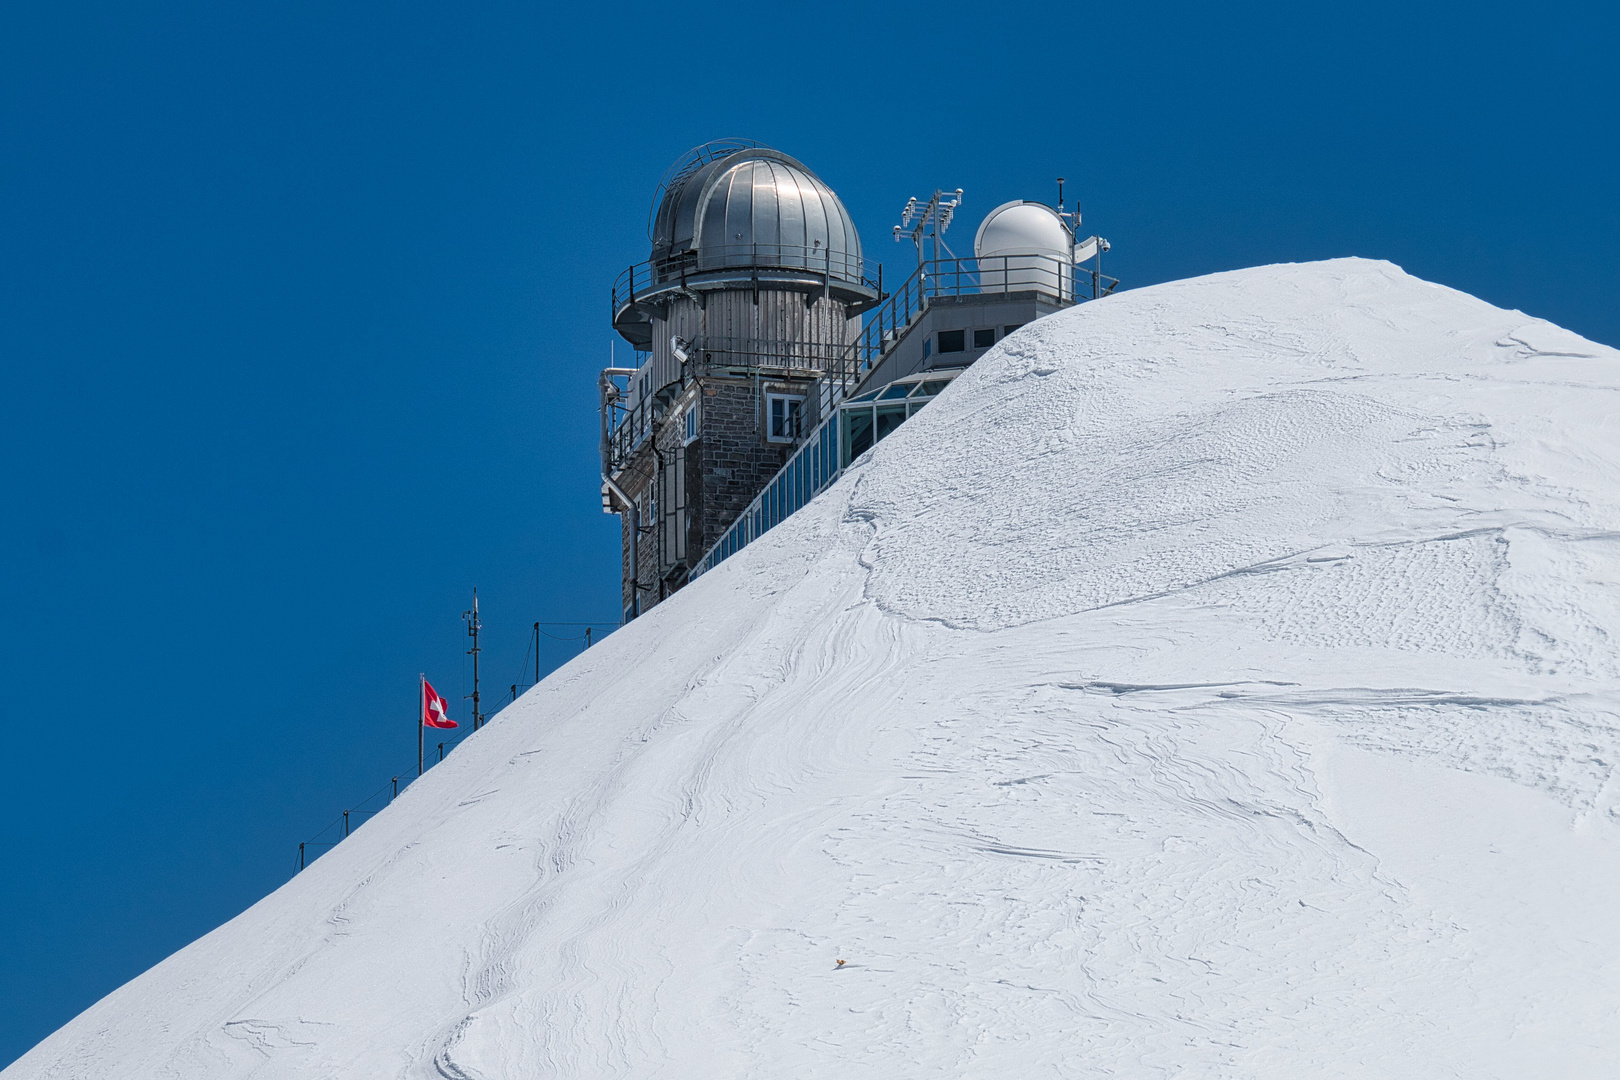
{"points": [[1219, 680]]}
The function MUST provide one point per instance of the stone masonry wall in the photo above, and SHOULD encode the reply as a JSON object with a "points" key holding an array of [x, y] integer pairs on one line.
{"points": [[726, 466], [737, 462]]}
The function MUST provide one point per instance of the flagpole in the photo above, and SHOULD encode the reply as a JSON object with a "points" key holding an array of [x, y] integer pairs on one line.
{"points": [[421, 710]]}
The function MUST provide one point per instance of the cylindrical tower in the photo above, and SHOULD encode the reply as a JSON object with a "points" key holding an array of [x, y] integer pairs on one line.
{"points": [[753, 291], [754, 260]]}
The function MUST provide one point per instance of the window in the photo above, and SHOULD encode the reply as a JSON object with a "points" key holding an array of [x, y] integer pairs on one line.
{"points": [[785, 416], [952, 341], [983, 339], [691, 422], [857, 434], [670, 508], [1005, 330], [928, 347], [889, 417]]}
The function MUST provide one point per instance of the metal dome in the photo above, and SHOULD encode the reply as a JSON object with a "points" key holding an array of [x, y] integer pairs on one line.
{"points": [[754, 208]]}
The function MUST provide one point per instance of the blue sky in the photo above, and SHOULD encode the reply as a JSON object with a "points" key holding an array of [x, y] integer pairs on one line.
{"points": [[301, 308]]}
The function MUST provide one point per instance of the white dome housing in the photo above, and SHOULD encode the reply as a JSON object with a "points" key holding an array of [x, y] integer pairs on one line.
{"points": [[1025, 246]]}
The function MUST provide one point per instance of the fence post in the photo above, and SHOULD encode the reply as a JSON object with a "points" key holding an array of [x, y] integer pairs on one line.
{"points": [[300, 856], [345, 824]]}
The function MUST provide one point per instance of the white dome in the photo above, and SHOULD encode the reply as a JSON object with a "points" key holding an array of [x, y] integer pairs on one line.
{"points": [[1024, 246], [1023, 228]]}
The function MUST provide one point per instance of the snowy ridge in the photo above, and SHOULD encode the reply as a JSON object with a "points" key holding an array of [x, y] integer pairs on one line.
{"points": [[1219, 679]]}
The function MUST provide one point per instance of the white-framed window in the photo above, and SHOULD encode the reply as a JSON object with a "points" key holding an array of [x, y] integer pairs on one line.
{"points": [[691, 421], [784, 417]]}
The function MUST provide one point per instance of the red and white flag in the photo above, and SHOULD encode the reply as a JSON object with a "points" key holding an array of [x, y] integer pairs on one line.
{"points": [[433, 708]]}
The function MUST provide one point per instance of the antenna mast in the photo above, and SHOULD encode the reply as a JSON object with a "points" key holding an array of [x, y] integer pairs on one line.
{"points": [[473, 626], [931, 219]]}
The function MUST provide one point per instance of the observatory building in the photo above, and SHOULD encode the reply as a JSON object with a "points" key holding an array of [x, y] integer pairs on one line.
{"points": [[769, 354]]}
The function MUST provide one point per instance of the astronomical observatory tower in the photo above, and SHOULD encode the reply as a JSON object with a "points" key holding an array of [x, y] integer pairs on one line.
{"points": [[769, 356]]}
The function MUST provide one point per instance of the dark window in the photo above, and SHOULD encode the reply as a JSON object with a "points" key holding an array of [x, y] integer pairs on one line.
{"points": [[952, 341], [1005, 330], [857, 433], [889, 417], [786, 415], [983, 339]]}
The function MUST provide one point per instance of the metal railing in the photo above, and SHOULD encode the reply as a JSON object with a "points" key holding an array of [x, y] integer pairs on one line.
{"points": [[843, 367], [715, 350], [882, 329], [656, 274], [811, 470], [996, 274], [630, 427]]}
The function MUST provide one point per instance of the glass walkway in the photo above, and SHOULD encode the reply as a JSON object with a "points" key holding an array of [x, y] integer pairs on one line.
{"points": [[858, 424]]}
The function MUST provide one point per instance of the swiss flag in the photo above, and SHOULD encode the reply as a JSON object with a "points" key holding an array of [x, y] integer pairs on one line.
{"points": [[433, 714]]}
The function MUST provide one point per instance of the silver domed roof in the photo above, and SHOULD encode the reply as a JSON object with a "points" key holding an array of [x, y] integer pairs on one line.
{"points": [[755, 207]]}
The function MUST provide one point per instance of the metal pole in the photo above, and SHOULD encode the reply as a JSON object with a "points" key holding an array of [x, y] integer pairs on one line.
{"points": [[345, 824], [441, 752], [514, 691], [537, 631], [587, 637], [421, 711], [300, 856], [472, 632]]}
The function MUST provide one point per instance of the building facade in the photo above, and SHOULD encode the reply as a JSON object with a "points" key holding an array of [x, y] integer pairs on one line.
{"points": [[748, 331]]}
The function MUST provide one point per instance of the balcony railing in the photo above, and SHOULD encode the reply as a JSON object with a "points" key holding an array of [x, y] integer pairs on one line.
{"points": [[657, 274], [843, 367]]}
